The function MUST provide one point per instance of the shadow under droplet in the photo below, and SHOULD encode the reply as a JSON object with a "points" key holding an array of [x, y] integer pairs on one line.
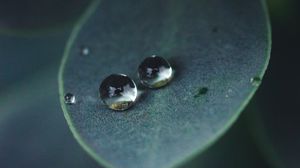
{"points": [[176, 66], [142, 92]]}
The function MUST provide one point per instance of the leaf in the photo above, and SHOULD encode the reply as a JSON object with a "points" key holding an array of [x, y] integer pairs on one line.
{"points": [[23, 56], [236, 148], [277, 131], [31, 16], [32, 130], [261, 137], [215, 44]]}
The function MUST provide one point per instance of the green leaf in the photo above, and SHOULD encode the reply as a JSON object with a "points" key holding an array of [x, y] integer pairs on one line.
{"points": [[33, 132], [236, 148], [214, 44], [263, 141], [22, 56], [32, 16]]}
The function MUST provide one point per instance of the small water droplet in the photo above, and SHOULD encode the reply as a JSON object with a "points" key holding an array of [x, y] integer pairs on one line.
{"points": [[70, 98], [118, 92], [155, 72], [84, 51], [201, 91], [229, 92], [255, 81]]}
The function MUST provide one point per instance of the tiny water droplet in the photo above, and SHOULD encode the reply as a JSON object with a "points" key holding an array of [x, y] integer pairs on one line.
{"points": [[229, 92], [255, 81], [70, 98], [201, 91], [155, 72], [118, 92], [84, 51]]}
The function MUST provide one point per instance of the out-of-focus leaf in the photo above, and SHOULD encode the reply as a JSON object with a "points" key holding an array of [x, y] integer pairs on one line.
{"points": [[236, 149], [33, 132], [30, 16], [23, 56]]}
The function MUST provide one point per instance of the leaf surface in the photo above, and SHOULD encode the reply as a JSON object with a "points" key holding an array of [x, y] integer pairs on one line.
{"points": [[215, 44]]}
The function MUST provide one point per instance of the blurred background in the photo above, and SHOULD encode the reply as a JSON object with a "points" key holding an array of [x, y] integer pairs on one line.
{"points": [[33, 131]]}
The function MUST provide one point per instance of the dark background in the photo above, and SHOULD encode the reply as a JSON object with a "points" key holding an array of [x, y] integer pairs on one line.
{"points": [[278, 98]]}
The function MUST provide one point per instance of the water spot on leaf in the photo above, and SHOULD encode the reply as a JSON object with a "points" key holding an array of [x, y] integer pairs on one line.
{"points": [[229, 92], [255, 81], [201, 91]]}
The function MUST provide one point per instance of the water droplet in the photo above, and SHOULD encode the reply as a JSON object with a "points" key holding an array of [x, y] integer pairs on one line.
{"points": [[255, 81], [70, 98], [84, 51], [118, 92], [155, 72], [201, 91], [229, 92]]}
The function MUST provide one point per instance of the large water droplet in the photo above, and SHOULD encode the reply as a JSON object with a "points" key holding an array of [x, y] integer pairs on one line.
{"points": [[70, 98], [255, 81], [155, 72], [118, 92]]}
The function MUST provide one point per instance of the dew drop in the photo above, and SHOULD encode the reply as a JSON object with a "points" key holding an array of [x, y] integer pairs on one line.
{"points": [[84, 51], [70, 98], [155, 72], [201, 91], [229, 92], [118, 92], [255, 81]]}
